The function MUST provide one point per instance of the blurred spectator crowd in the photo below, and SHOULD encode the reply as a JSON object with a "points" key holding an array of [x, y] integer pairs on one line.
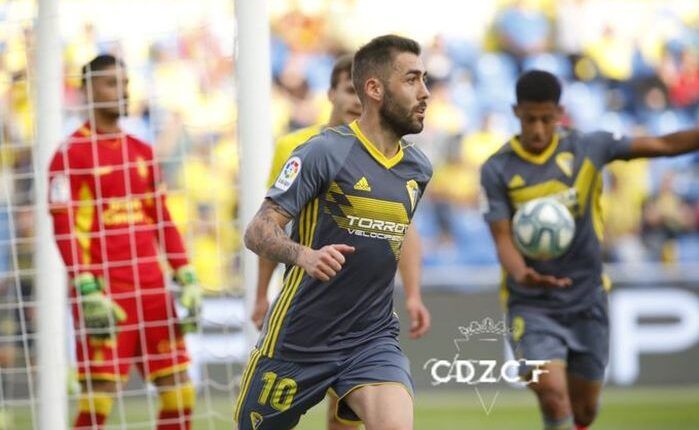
{"points": [[627, 66]]}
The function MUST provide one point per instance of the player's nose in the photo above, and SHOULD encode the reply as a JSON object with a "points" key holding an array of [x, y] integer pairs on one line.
{"points": [[424, 93], [537, 129]]}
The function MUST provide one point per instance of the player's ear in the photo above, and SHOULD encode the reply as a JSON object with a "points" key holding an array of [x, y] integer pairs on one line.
{"points": [[85, 92], [560, 111], [331, 95], [373, 88], [515, 110]]}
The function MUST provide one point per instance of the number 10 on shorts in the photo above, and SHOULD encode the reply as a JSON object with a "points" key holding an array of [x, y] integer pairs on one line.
{"points": [[282, 391]]}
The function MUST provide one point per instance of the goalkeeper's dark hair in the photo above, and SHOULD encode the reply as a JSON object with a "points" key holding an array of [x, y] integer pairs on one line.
{"points": [[343, 64], [375, 58], [100, 62], [538, 86]]}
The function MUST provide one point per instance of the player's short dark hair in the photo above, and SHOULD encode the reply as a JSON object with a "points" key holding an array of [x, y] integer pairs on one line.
{"points": [[342, 65], [374, 57], [100, 62], [538, 86]]}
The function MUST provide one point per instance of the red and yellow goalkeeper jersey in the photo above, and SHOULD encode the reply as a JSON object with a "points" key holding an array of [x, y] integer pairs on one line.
{"points": [[109, 211]]}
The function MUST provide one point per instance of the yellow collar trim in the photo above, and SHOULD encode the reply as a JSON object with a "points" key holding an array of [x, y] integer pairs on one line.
{"points": [[378, 155], [534, 158]]}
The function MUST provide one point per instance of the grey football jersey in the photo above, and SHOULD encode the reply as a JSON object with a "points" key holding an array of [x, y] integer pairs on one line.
{"points": [[341, 190], [570, 170]]}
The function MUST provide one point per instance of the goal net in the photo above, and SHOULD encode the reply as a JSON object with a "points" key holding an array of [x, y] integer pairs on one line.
{"points": [[179, 58]]}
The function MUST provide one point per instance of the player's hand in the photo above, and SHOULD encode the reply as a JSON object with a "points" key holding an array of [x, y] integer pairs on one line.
{"points": [[259, 312], [532, 278], [420, 320], [100, 314], [190, 298], [324, 263]]}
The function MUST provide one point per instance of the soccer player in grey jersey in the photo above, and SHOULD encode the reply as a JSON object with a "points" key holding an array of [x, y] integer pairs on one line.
{"points": [[558, 308], [351, 192]]}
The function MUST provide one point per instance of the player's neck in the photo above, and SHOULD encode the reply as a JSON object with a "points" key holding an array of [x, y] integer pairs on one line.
{"points": [[334, 120], [384, 139], [105, 124]]}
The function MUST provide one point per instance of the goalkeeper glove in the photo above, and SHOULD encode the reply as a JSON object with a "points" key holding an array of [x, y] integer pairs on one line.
{"points": [[100, 314], [190, 298]]}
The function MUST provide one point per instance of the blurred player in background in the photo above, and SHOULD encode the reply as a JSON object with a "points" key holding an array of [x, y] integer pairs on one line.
{"points": [[110, 216], [351, 191], [557, 309], [346, 108]]}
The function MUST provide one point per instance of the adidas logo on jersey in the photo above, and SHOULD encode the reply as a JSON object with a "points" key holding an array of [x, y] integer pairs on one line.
{"points": [[516, 182], [362, 185]]}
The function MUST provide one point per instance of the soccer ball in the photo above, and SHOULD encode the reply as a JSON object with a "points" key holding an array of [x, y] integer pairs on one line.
{"points": [[543, 228]]}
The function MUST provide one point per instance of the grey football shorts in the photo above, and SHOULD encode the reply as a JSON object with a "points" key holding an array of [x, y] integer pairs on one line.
{"points": [[275, 393], [580, 339]]}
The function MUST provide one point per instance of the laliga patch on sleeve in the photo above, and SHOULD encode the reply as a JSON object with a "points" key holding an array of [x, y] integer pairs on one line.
{"points": [[484, 205], [59, 189], [288, 174]]}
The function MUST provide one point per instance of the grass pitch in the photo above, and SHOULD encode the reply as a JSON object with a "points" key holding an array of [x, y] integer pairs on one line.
{"points": [[666, 408]]}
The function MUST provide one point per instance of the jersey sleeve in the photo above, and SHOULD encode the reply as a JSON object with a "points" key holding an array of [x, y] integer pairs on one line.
{"points": [[302, 177], [69, 199], [156, 206], [604, 147], [495, 204], [282, 150]]}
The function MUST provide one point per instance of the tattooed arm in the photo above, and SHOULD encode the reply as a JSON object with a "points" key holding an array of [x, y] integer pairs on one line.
{"points": [[265, 236]]}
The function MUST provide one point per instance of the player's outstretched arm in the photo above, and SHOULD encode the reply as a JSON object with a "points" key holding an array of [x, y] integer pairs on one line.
{"points": [[513, 262], [677, 143], [409, 267], [265, 237]]}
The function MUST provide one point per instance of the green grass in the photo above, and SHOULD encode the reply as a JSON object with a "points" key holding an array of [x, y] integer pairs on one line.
{"points": [[675, 408], [669, 408]]}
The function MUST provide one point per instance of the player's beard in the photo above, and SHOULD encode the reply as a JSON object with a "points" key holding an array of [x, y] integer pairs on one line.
{"points": [[397, 118], [113, 110]]}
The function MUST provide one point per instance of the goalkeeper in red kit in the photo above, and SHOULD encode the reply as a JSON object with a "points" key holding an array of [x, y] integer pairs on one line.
{"points": [[110, 218]]}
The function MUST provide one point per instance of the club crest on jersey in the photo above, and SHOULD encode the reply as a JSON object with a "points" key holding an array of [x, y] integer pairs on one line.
{"points": [[141, 167], [564, 160], [413, 193], [255, 419], [288, 174]]}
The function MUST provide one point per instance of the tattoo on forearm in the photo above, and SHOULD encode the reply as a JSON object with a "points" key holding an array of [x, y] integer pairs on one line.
{"points": [[266, 238]]}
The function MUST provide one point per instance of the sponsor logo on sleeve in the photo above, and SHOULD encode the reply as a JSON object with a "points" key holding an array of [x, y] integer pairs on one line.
{"points": [[288, 174], [59, 189], [483, 203]]}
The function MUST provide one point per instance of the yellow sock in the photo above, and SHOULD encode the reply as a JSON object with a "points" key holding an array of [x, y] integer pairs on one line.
{"points": [[180, 397]]}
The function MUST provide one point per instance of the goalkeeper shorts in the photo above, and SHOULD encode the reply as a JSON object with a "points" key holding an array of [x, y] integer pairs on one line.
{"points": [[149, 338]]}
